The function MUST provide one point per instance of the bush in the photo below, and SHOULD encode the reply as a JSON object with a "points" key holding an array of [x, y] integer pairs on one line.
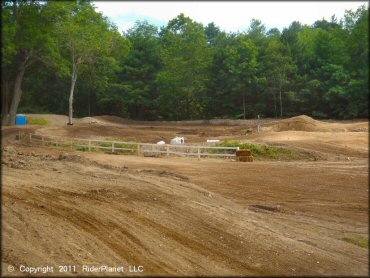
{"points": [[263, 151], [37, 121], [81, 148]]}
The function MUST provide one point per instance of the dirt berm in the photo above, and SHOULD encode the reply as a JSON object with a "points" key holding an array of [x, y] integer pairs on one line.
{"points": [[306, 123], [77, 209]]}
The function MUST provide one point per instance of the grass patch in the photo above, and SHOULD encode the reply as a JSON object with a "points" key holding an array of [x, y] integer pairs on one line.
{"points": [[81, 148], [357, 240], [103, 144], [37, 121], [64, 145], [108, 145], [94, 146], [263, 151], [117, 145]]}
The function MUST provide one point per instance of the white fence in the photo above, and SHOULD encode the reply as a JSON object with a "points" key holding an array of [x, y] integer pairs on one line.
{"points": [[145, 149]]}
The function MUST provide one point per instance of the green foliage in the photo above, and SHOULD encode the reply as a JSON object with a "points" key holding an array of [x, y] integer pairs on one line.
{"points": [[81, 148], [357, 240], [37, 121], [262, 151], [129, 148], [182, 77], [185, 70], [139, 70]]}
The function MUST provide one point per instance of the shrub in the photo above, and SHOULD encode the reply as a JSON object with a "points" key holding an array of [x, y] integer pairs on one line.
{"points": [[264, 151], [37, 121]]}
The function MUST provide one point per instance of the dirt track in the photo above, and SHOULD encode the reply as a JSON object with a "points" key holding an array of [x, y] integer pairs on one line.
{"points": [[181, 216]]}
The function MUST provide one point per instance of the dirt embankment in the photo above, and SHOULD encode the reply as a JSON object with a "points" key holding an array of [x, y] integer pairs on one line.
{"points": [[322, 140], [306, 123], [181, 217]]}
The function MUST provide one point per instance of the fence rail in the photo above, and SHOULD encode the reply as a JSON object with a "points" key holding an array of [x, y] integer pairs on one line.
{"points": [[130, 147]]}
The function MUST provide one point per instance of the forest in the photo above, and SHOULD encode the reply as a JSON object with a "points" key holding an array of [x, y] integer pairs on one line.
{"points": [[64, 57]]}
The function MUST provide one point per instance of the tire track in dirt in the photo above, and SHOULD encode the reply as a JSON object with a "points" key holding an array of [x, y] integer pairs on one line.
{"points": [[160, 219]]}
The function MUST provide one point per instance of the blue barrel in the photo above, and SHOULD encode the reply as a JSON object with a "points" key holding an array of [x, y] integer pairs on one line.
{"points": [[20, 119]]}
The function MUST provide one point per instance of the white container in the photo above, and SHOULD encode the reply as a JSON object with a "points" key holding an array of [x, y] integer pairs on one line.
{"points": [[177, 141]]}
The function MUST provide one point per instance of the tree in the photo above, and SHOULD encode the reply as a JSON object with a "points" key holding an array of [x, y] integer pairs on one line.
{"points": [[278, 67], [289, 38], [212, 32], [84, 36], [231, 75], [357, 24], [185, 71], [185, 60], [8, 51], [139, 70], [27, 38], [242, 64]]}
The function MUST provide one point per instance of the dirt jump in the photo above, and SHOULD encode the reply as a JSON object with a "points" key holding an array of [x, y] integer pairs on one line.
{"points": [[182, 216]]}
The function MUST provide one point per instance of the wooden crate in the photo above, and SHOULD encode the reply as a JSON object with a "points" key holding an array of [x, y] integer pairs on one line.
{"points": [[245, 158], [243, 153]]}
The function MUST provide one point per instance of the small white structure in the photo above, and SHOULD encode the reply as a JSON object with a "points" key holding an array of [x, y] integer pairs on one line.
{"points": [[213, 140], [161, 143], [177, 141]]}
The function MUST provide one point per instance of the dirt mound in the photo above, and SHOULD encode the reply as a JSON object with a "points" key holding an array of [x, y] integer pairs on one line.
{"points": [[90, 120], [360, 127], [14, 158], [180, 217], [306, 123], [9, 133], [299, 123], [114, 120], [111, 119]]}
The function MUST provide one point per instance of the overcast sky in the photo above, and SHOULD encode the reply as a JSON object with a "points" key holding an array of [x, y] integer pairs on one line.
{"points": [[229, 16]]}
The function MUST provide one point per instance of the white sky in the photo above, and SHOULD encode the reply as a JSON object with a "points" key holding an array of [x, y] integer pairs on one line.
{"points": [[229, 16]]}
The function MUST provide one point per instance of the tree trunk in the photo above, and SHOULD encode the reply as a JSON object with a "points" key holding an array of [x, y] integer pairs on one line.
{"points": [[275, 103], [88, 104], [17, 93], [187, 106], [281, 104], [244, 109], [73, 83], [4, 99]]}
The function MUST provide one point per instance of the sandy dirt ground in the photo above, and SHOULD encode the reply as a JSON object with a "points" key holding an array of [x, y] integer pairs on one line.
{"points": [[183, 216]]}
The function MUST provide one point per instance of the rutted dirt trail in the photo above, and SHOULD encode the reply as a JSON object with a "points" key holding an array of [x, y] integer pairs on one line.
{"points": [[183, 216]]}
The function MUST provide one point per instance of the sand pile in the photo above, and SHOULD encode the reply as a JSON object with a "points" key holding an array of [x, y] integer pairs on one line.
{"points": [[306, 123], [90, 120], [112, 119], [299, 123]]}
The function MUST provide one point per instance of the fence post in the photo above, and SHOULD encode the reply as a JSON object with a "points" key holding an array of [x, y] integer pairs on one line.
{"points": [[138, 149], [112, 147], [42, 140], [198, 153], [30, 137], [167, 150], [89, 146]]}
